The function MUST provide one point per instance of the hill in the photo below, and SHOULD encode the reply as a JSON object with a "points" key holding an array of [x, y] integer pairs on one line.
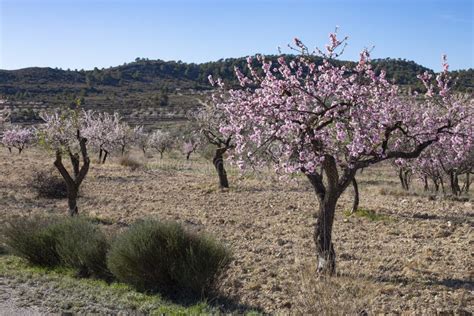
{"points": [[151, 90]]}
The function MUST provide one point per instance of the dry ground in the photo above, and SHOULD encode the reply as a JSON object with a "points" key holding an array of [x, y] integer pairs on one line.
{"points": [[416, 256]]}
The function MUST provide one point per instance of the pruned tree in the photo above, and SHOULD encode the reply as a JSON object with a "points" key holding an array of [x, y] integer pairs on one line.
{"points": [[190, 144], [18, 137], [209, 119], [333, 120], [142, 140], [103, 130], [160, 141], [126, 136], [441, 163], [62, 134]]}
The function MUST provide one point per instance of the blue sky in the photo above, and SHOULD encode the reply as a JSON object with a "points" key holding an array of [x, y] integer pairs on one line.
{"points": [[86, 33]]}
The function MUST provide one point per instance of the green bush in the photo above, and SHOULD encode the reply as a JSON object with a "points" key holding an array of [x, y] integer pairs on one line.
{"points": [[164, 257], [81, 246], [32, 240], [72, 242]]}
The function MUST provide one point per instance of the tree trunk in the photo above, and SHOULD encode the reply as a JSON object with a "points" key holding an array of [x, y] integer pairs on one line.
{"points": [[468, 181], [327, 194], [407, 179], [10, 149], [453, 178], [188, 155], [426, 187], [20, 150], [355, 204], [79, 173], [100, 155], [218, 162], [161, 155], [105, 156], [322, 236], [400, 176], [123, 150], [72, 200], [404, 178], [436, 185]]}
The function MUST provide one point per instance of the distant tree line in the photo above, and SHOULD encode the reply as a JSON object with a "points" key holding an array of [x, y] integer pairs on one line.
{"points": [[191, 75]]}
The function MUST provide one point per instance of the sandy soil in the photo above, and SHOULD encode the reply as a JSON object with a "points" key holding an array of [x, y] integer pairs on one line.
{"points": [[418, 258]]}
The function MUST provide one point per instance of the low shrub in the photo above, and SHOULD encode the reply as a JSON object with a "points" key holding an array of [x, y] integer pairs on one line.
{"points": [[81, 246], [49, 184], [164, 257], [73, 242], [32, 240], [130, 162]]}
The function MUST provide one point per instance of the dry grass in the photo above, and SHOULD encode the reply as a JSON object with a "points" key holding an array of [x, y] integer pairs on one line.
{"points": [[342, 295], [419, 261], [131, 162]]}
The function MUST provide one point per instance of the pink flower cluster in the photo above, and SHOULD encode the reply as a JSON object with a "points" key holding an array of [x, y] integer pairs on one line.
{"points": [[18, 137], [299, 113]]}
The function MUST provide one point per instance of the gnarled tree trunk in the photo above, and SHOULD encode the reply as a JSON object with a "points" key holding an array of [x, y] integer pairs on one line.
{"points": [[404, 176], [106, 153], [467, 185], [453, 178], [218, 162], [328, 193], [79, 173], [323, 236]]}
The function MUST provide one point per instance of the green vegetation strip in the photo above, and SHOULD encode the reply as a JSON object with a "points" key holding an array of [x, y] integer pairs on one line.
{"points": [[114, 296], [369, 214]]}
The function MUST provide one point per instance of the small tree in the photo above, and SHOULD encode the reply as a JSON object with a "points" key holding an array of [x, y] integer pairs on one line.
{"points": [[160, 141], [18, 137], [209, 118], [62, 133], [103, 131], [441, 162], [190, 144], [127, 135], [334, 120]]}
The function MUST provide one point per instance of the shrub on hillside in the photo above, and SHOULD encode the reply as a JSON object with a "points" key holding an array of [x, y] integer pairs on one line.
{"points": [[72, 242], [164, 257], [49, 185]]}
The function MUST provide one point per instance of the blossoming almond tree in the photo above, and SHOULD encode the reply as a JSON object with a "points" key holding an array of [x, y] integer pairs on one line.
{"points": [[17, 137], [190, 144], [440, 161], [160, 141], [209, 118], [103, 130], [126, 135], [332, 120], [62, 134]]}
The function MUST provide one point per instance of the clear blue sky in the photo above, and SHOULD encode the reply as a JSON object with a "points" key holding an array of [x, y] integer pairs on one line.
{"points": [[89, 33]]}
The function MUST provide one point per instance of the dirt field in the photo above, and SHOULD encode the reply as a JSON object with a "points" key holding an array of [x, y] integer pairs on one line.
{"points": [[416, 255]]}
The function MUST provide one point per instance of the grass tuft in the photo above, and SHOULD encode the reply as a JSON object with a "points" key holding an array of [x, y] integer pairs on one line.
{"points": [[369, 214]]}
